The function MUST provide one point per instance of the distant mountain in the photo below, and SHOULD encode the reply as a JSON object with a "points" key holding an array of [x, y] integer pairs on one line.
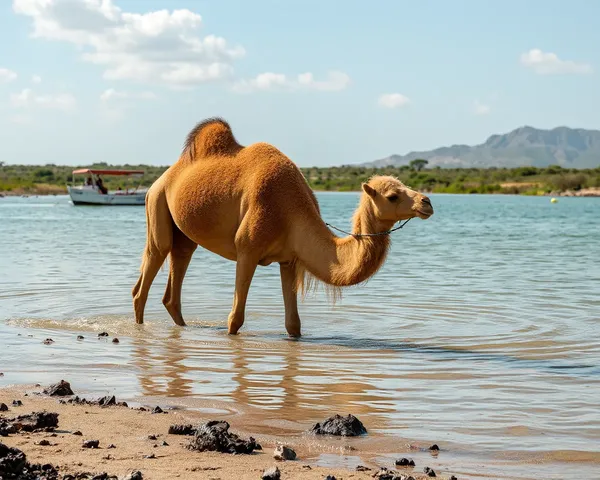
{"points": [[525, 146]]}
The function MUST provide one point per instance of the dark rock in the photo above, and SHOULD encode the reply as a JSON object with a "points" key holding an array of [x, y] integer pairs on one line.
{"points": [[434, 448], [17, 403], [60, 389], [91, 444], [112, 445], [164, 444], [107, 401], [429, 472], [385, 474], [1, 374], [330, 477], [152, 437], [362, 468], [405, 462], [14, 465], [453, 478], [157, 409], [142, 409], [103, 334], [136, 475], [115, 340], [151, 456], [182, 430], [80, 337], [349, 426], [215, 436], [122, 404], [272, 473], [3, 407], [284, 453], [78, 433], [37, 421], [43, 443], [48, 341]]}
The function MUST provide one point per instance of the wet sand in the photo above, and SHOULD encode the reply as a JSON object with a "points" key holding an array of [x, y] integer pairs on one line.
{"points": [[128, 429]]}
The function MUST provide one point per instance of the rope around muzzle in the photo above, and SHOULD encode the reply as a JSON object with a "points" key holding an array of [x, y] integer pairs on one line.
{"points": [[369, 234]]}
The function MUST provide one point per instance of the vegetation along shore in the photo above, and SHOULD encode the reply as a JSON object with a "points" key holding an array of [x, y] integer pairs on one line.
{"points": [[551, 180]]}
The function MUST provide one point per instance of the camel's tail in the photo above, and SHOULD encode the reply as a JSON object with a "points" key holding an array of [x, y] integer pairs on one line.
{"points": [[210, 137]]}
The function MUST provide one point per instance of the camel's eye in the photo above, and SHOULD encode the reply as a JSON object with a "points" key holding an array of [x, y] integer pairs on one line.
{"points": [[392, 198]]}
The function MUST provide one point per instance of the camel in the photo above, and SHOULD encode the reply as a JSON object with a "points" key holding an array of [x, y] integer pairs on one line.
{"points": [[252, 205]]}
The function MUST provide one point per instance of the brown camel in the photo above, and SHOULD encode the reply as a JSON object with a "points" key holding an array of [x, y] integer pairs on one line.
{"points": [[252, 205]]}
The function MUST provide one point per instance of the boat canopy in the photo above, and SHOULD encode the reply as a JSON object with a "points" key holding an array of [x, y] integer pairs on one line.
{"points": [[108, 172]]}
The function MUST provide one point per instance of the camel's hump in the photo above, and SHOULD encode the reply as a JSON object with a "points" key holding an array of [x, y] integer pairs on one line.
{"points": [[212, 136]]}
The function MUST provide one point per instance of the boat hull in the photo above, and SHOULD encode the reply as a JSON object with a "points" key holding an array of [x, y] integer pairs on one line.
{"points": [[89, 196]]}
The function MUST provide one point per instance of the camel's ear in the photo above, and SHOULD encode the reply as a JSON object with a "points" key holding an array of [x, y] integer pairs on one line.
{"points": [[370, 191]]}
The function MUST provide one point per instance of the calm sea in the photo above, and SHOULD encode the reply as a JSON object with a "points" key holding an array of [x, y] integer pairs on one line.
{"points": [[481, 333]]}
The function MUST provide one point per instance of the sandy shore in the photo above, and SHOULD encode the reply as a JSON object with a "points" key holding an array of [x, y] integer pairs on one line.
{"points": [[163, 457]]}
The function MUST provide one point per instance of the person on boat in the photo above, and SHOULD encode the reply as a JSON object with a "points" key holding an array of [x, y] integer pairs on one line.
{"points": [[101, 186], [88, 182]]}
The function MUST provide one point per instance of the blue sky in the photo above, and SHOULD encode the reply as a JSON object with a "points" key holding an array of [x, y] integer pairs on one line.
{"points": [[327, 82]]}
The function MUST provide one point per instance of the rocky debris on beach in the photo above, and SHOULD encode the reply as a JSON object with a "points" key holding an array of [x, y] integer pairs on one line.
{"points": [[215, 436], [349, 426], [453, 478], [14, 466], [284, 453], [3, 407], [272, 473], [90, 476], [17, 403], [157, 409], [115, 340], [60, 389], [405, 462], [80, 337], [33, 422], [386, 474], [77, 433], [182, 429], [135, 475], [434, 448], [91, 444], [429, 472], [48, 341], [330, 477], [362, 468], [103, 334], [107, 401]]}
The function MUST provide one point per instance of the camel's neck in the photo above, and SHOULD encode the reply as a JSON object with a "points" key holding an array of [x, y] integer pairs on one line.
{"points": [[345, 261]]}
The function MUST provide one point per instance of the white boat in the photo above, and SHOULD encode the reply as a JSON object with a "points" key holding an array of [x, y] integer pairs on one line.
{"points": [[93, 192]]}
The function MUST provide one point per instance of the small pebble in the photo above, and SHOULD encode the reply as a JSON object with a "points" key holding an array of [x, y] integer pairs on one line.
{"points": [[91, 444], [48, 341], [362, 468], [43, 443], [3, 407], [151, 437], [103, 334], [79, 337], [330, 477], [152, 455], [115, 340], [429, 472], [434, 448], [1, 374], [157, 409], [453, 478], [112, 445], [272, 473], [17, 403], [405, 462], [78, 433], [136, 475], [165, 444]]}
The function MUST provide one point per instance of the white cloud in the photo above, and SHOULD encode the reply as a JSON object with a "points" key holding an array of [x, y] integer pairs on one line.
{"points": [[112, 95], [547, 63], [481, 108], [36, 79], [335, 81], [155, 47], [393, 100], [7, 75], [27, 98]]}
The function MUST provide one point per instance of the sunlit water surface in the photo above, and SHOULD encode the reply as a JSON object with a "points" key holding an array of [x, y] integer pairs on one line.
{"points": [[480, 333]]}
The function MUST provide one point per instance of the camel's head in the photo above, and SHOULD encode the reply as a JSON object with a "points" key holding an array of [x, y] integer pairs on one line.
{"points": [[393, 201]]}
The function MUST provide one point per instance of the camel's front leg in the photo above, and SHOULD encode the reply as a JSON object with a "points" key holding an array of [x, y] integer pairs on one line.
{"points": [[290, 299], [244, 271]]}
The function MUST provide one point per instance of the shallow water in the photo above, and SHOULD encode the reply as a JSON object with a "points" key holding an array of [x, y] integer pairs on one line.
{"points": [[480, 333]]}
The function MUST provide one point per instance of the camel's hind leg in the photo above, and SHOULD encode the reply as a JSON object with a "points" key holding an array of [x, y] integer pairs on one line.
{"points": [[181, 253], [290, 299], [159, 238]]}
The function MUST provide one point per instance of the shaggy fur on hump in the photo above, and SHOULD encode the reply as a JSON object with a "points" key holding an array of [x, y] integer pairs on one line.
{"points": [[209, 137]]}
